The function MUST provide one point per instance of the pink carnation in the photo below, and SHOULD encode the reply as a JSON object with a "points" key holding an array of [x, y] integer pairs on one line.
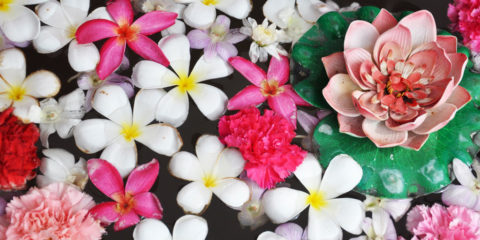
{"points": [[465, 16], [58, 211], [265, 143], [438, 222]]}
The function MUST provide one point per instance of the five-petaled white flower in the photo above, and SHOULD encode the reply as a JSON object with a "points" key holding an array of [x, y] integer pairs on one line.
{"points": [[311, 10], [19, 23], [467, 194], [189, 227], [374, 229]]}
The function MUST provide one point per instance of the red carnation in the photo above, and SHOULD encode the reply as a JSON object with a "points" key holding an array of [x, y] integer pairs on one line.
{"points": [[265, 143], [18, 154]]}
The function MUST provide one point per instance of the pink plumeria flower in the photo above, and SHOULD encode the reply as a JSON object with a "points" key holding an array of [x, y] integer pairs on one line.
{"points": [[467, 194], [123, 32], [130, 201], [188, 227], [286, 231], [267, 86]]}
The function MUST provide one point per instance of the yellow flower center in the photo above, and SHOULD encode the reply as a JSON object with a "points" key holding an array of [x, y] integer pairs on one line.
{"points": [[186, 83], [210, 2], [71, 31], [5, 5], [270, 88], [209, 181], [316, 199], [130, 132], [16, 93]]}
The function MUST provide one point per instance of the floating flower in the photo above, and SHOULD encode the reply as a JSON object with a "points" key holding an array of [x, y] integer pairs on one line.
{"points": [[18, 22], [19, 153], [213, 170], [166, 6], [286, 231], [285, 15], [130, 201], [173, 108], [189, 227], [375, 230], [201, 13], [59, 165], [402, 81], [252, 214], [269, 86], [264, 142], [118, 134], [438, 222], [309, 123], [58, 211], [5, 43], [266, 40], [465, 18], [123, 32], [312, 10], [467, 194], [19, 92], [327, 213], [59, 116], [383, 208], [219, 39]]}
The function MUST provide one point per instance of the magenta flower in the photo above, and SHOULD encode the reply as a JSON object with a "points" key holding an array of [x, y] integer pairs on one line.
{"points": [[123, 32], [129, 202], [267, 86]]}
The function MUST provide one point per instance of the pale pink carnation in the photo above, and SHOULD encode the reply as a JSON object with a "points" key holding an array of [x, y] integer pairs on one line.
{"points": [[465, 17], [438, 223], [58, 212]]}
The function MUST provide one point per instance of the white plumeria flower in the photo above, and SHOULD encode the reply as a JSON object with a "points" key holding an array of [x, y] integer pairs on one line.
{"points": [[19, 23], [286, 231], [59, 165], [202, 13], [118, 134], [311, 10], [284, 14], [173, 108], [59, 116], [468, 193], [252, 213], [265, 38], [166, 6], [372, 231], [327, 213], [20, 92], [188, 227], [213, 170]]}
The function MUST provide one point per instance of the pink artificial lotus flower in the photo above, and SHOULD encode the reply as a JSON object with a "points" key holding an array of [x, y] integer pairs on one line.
{"points": [[123, 32], [267, 86], [402, 81], [131, 201]]}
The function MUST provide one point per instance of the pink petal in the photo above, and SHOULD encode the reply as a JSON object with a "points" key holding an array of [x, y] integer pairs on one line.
{"points": [[199, 39], [249, 70], [459, 97], [361, 30], [426, 59], [148, 49], [279, 70], [154, 22], [422, 27], [307, 121], [459, 63], [297, 99], [285, 106], [384, 21], [354, 59], [381, 135], [142, 178], [95, 30], [415, 141], [148, 205], [366, 74], [449, 43], [437, 118], [408, 125], [111, 56], [121, 11], [338, 94], [334, 63], [105, 177], [399, 35], [369, 107], [105, 212], [249, 96], [223, 21], [127, 220], [351, 125], [441, 91], [443, 64]]}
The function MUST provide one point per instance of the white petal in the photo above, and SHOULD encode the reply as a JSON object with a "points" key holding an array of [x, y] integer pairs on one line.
{"points": [[177, 50], [73, 104], [12, 66], [342, 175], [236, 8], [396, 207], [212, 68], [45, 131], [30, 2], [51, 39], [93, 135], [190, 227], [270, 236], [151, 229], [122, 155], [322, 226], [186, 166], [291, 231], [83, 57], [99, 13], [173, 108], [177, 28], [76, 10], [199, 15], [230, 164], [150, 75], [211, 101], [23, 25], [309, 173], [6, 102], [22, 108], [42, 84], [43, 181], [52, 14], [208, 149], [460, 196], [463, 173], [145, 105], [60, 155], [64, 127], [233, 192], [273, 8], [380, 219], [347, 212], [194, 198], [161, 138], [283, 204], [112, 102], [57, 167], [308, 10]]}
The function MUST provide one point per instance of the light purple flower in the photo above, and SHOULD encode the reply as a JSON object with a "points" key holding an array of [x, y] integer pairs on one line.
{"points": [[309, 123], [286, 231], [5, 43], [219, 39], [468, 193], [374, 229], [252, 214]]}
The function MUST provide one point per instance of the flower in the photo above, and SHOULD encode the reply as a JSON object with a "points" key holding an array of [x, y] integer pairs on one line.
{"points": [[213, 170], [189, 227], [286, 231], [464, 17], [438, 222], [58, 211], [5, 43], [123, 32], [166, 6], [309, 123], [59, 165], [17, 22], [467, 194], [372, 231], [59, 116], [264, 142], [217, 40], [311, 10], [173, 108], [19, 92], [383, 208], [252, 214], [409, 90], [130, 201], [19, 153], [201, 13], [118, 134], [3, 205], [267, 86], [327, 213], [265, 38]]}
